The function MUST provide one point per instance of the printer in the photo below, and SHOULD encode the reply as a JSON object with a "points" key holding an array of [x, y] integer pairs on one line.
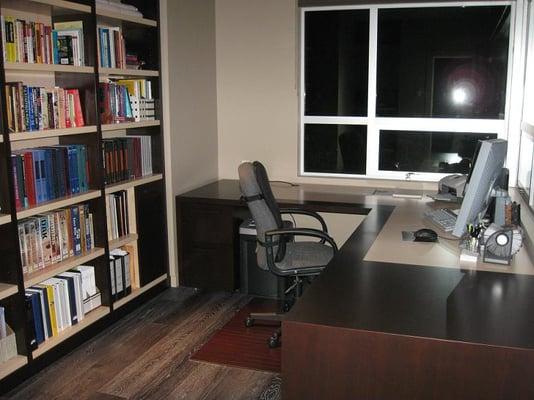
{"points": [[450, 188]]}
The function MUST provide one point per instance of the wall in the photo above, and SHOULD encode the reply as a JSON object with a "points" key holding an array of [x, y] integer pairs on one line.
{"points": [[257, 89], [189, 101]]}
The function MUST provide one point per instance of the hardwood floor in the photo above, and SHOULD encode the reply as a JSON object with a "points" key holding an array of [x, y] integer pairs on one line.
{"points": [[146, 356]]}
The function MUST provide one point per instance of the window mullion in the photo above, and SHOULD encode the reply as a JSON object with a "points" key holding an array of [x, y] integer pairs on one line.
{"points": [[372, 132]]}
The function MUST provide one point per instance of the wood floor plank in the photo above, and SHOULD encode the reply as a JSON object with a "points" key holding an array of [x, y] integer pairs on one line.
{"points": [[170, 352], [146, 356]]}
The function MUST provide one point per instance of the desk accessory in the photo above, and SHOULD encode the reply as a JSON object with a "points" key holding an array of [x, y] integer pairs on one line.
{"points": [[501, 243]]}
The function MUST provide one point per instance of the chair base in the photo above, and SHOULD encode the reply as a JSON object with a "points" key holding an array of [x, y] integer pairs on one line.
{"points": [[275, 339]]}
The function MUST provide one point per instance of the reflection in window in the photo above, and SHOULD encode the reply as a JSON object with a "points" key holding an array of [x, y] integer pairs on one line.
{"points": [[443, 62], [335, 148], [442, 152], [336, 66]]}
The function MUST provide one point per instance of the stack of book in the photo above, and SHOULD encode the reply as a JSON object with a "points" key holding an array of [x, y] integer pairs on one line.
{"points": [[53, 237], [48, 173], [126, 100], [36, 43], [8, 342], [37, 108], [117, 7], [117, 215], [61, 302], [120, 268], [127, 158], [111, 47]]}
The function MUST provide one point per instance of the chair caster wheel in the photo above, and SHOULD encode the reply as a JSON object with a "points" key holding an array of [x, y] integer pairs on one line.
{"points": [[249, 322], [286, 307], [274, 341]]}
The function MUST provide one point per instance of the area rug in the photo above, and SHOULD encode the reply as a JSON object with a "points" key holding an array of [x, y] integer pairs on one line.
{"points": [[236, 345]]}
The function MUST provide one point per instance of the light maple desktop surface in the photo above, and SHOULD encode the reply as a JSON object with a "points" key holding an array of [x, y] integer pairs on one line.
{"points": [[409, 216]]}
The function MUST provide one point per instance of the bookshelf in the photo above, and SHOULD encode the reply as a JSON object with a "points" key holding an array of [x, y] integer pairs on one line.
{"points": [[146, 239], [89, 319]]}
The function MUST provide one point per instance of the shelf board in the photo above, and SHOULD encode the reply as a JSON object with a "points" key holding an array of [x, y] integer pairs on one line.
{"points": [[14, 137], [116, 187], [129, 125], [7, 290], [116, 243], [26, 67], [137, 292], [58, 203], [102, 12], [127, 72], [12, 365], [66, 5], [54, 269], [89, 319], [5, 219]]}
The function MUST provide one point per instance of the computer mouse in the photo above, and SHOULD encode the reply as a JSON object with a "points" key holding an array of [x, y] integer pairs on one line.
{"points": [[425, 235]]}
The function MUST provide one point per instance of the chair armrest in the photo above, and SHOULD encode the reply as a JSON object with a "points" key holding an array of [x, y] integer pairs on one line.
{"points": [[299, 232], [308, 213]]}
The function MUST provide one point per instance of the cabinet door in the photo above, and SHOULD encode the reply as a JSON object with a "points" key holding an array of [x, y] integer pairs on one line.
{"points": [[206, 245], [152, 243]]}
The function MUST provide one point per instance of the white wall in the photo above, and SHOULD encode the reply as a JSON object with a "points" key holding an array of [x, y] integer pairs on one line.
{"points": [[257, 90], [189, 101]]}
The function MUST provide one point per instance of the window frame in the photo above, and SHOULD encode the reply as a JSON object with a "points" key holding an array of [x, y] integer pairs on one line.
{"points": [[507, 128]]}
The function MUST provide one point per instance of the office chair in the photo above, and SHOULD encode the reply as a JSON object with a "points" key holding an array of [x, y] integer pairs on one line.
{"points": [[276, 249]]}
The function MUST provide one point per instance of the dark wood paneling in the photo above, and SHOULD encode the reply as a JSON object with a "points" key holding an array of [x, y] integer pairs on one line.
{"points": [[152, 243], [320, 362]]}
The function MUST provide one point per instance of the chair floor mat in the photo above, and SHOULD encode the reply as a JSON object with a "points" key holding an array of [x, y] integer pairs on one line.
{"points": [[236, 345]]}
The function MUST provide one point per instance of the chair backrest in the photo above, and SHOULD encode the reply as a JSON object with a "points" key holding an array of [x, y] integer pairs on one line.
{"points": [[257, 192]]}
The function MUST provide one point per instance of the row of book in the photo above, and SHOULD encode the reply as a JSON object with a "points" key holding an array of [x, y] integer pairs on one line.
{"points": [[32, 108], [61, 302], [127, 158], [37, 43], [126, 100], [117, 215], [48, 173], [121, 270], [8, 342], [55, 236], [111, 47]]}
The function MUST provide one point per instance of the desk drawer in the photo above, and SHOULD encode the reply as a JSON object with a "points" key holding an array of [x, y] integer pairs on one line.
{"points": [[205, 224], [209, 267]]}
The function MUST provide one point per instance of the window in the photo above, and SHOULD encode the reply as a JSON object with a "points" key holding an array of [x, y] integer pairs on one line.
{"points": [[391, 89]]}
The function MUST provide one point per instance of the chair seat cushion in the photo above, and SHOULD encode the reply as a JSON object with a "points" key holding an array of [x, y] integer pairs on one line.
{"points": [[305, 254]]}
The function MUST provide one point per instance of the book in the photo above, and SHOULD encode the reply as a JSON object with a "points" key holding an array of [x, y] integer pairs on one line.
{"points": [[117, 214], [127, 158], [50, 238], [111, 47], [47, 173], [33, 109], [32, 42]]}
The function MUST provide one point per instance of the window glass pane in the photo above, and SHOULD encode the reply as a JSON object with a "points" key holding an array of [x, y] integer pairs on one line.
{"points": [[526, 152], [443, 62], [443, 152], [336, 62], [335, 148]]}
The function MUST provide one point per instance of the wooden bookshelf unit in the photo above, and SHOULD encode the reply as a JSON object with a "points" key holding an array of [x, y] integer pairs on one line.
{"points": [[138, 37]]}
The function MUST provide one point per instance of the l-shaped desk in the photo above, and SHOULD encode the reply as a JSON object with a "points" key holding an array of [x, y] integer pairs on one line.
{"points": [[386, 319]]}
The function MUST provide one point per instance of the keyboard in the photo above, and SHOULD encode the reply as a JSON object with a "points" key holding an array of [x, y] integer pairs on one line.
{"points": [[442, 217]]}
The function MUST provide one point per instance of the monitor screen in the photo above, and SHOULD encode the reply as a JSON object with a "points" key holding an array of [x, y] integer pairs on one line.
{"points": [[488, 163]]}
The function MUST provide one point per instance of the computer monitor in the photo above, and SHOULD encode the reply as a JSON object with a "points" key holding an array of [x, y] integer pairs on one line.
{"points": [[486, 169]]}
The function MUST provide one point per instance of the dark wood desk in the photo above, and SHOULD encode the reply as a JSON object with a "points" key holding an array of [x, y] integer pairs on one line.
{"points": [[376, 330], [208, 220]]}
